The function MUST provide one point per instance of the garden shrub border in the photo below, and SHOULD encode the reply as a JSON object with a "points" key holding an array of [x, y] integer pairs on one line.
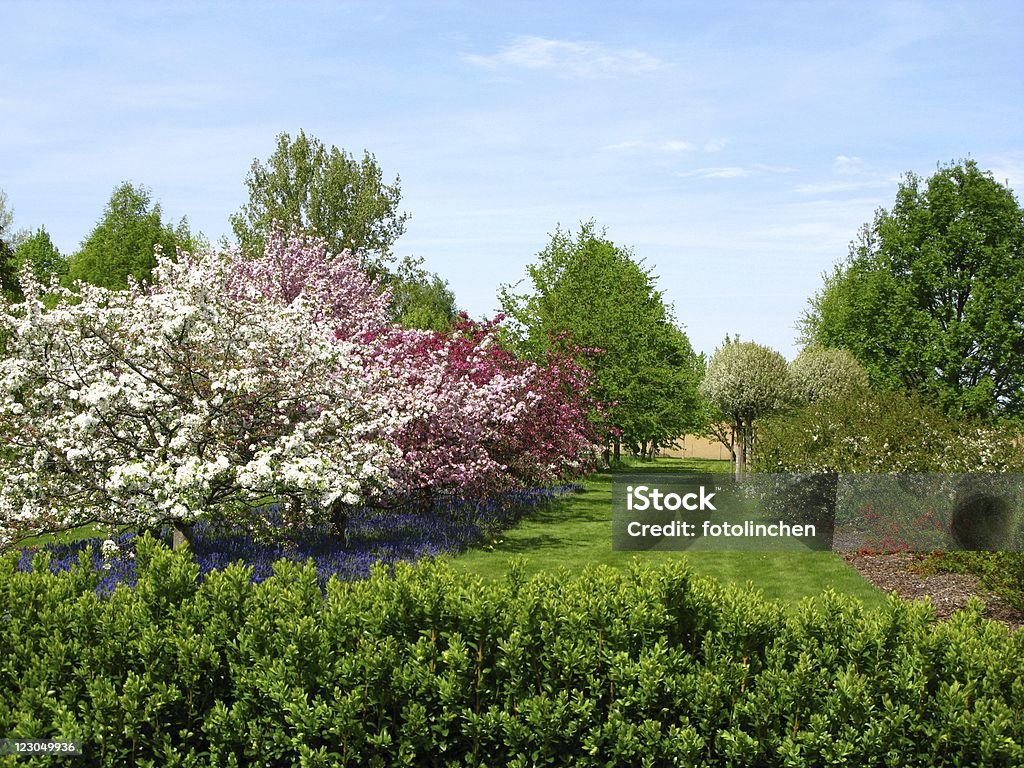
{"points": [[422, 665]]}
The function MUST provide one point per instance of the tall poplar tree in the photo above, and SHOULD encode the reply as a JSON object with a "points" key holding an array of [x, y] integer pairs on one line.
{"points": [[328, 192], [323, 191]]}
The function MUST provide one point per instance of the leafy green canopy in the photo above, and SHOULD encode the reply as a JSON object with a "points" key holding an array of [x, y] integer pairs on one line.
{"points": [[420, 299], [589, 293], [9, 239], [327, 192], [124, 241], [38, 253], [931, 297]]}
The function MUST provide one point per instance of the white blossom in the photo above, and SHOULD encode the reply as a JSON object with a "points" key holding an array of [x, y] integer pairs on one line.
{"points": [[164, 404]]}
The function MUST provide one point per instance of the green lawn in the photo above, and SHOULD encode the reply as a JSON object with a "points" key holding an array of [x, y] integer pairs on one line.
{"points": [[575, 531]]}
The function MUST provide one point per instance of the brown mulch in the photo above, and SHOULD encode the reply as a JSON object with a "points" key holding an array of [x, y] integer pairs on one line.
{"points": [[948, 592]]}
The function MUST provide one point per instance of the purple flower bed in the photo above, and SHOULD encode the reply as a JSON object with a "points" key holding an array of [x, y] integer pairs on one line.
{"points": [[375, 536]]}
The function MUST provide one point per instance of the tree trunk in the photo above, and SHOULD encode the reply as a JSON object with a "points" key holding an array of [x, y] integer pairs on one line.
{"points": [[181, 535], [748, 452], [339, 522], [739, 444]]}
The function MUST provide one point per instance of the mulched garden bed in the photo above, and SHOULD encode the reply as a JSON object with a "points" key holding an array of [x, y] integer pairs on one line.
{"points": [[949, 592]]}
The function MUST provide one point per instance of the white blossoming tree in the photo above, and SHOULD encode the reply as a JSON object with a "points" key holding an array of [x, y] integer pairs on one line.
{"points": [[164, 404], [821, 373], [745, 381]]}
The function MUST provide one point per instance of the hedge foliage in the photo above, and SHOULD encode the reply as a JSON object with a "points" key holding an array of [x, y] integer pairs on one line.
{"points": [[882, 432], [424, 666]]}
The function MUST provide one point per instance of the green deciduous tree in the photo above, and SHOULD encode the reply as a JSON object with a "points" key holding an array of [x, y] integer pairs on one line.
{"points": [[326, 192], [9, 240], [931, 297], [8, 272], [420, 299], [38, 253], [587, 292], [124, 241], [745, 382]]}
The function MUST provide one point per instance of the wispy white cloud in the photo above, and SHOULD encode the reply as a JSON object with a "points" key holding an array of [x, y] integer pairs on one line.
{"points": [[734, 171], [567, 57], [674, 146], [719, 172], [845, 164], [715, 145], [845, 185], [1008, 169], [849, 174]]}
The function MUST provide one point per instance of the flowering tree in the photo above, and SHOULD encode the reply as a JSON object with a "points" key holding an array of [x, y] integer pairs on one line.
{"points": [[164, 404], [821, 373], [479, 420], [232, 382], [472, 419], [745, 381], [335, 287]]}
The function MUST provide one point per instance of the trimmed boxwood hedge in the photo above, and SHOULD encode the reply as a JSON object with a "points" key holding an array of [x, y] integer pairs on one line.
{"points": [[425, 666]]}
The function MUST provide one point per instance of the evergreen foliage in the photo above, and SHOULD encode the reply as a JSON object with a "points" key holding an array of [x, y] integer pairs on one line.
{"points": [[424, 666]]}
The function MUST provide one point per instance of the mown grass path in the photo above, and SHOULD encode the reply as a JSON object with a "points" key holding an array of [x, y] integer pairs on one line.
{"points": [[575, 531]]}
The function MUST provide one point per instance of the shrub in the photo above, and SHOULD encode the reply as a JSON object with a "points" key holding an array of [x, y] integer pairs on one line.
{"points": [[881, 432], [426, 666]]}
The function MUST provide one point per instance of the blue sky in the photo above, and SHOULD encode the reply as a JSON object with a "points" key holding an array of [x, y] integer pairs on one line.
{"points": [[735, 147]]}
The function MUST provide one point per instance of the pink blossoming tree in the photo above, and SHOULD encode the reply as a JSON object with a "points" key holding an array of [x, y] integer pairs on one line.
{"points": [[474, 420]]}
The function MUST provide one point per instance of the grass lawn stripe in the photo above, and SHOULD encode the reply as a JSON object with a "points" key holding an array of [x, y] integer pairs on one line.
{"points": [[576, 531]]}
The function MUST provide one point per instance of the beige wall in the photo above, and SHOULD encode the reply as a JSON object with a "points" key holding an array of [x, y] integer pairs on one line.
{"points": [[694, 447]]}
